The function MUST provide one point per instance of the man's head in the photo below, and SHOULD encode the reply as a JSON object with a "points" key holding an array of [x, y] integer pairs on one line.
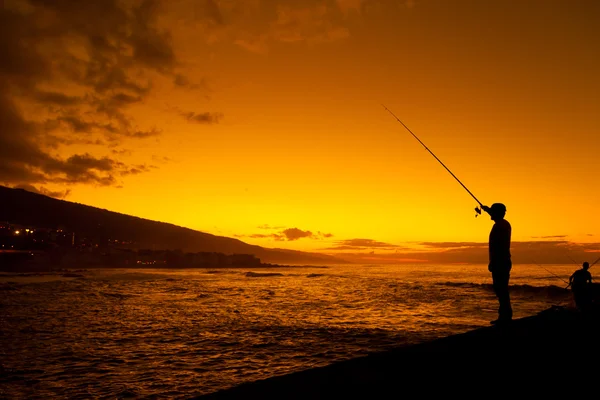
{"points": [[497, 211], [586, 265]]}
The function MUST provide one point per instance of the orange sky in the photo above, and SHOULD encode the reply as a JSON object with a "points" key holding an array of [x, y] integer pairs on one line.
{"points": [[262, 120]]}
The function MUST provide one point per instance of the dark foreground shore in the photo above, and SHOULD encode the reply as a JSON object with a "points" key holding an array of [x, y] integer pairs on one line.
{"points": [[552, 353]]}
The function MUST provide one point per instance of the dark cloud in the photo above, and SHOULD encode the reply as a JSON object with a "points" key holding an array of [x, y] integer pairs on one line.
{"points": [[44, 191], [69, 72], [183, 81], [554, 251], [137, 169], [78, 125], [523, 252], [86, 161], [258, 25], [202, 118], [356, 244], [23, 161], [295, 234], [452, 245], [56, 98], [211, 8], [289, 234], [256, 236], [180, 80], [121, 152], [550, 237], [143, 134], [161, 159], [273, 236]]}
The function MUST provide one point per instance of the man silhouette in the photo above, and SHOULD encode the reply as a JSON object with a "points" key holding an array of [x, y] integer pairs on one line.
{"points": [[580, 283], [500, 260]]}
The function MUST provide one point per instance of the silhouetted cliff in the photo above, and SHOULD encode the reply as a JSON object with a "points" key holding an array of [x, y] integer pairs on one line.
{"points": [[19, 206]]}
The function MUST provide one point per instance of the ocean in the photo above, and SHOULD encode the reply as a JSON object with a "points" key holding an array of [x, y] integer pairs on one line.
{"points": [[176, 334]]}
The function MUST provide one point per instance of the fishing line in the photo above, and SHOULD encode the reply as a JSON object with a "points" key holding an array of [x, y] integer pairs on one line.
{"points": [[550, 272]]}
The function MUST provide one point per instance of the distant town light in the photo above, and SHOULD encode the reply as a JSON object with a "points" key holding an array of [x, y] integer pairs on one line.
{"points": [[17, 232]]}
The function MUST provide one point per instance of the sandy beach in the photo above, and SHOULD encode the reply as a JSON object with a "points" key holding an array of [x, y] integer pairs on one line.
{"points": [[536, 355]]}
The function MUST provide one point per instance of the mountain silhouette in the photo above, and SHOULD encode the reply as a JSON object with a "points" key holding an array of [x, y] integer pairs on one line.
{"points": [[18, 206]]}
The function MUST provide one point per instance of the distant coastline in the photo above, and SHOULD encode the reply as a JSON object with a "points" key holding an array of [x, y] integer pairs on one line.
{"points": [[31, 261], [31, 221], [37, 248]]}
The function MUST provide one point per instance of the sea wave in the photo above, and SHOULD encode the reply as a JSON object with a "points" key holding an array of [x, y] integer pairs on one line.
{"points": [[251, 274], [548, 290]]}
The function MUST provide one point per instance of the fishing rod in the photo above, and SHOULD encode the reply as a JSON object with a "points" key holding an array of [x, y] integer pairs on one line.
{"points": [[571, 258], [591, 265], [550, 272], [477, 209]]}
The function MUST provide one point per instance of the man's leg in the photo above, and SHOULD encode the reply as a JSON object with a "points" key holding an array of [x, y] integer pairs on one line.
{"points": [[500, 283]]}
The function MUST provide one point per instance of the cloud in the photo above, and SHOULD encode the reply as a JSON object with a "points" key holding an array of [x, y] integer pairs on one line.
{"points": [[182, 81], [255, 44], [523, 252], [310, 22], [273, 236], [56, 98], [136, 169], [289, 234], [256, 25], [161, 159], [409, 3], [44, 191], [307, 24], [325, 235], [347, 6], [202, 118], [267, 226], [212, 9], [453, 245], [550, 237], [121, 152], [362, 244], [69, 73], [295, 234]]}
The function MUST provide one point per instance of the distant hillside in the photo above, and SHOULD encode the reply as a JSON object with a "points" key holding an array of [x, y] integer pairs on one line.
{"points": [[19, 206]]}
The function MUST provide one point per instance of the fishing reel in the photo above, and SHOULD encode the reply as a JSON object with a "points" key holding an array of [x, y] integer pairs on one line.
{"points": [[478, 212]]}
